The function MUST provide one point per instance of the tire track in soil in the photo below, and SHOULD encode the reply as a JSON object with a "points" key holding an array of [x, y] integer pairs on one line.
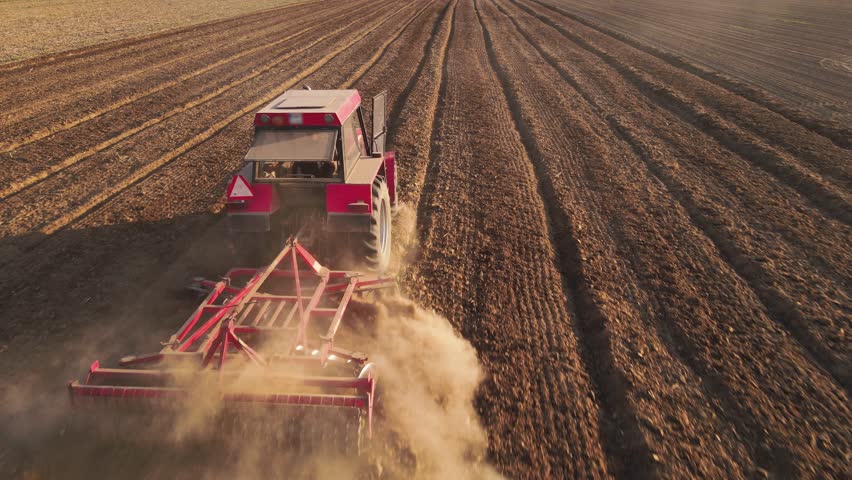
{"points": [[773, 234], [488, 262], [830, 199], [149, 199], [667, 422], [775, 391], [113, 131], [837, 134], [124, 179], [34, 125]]}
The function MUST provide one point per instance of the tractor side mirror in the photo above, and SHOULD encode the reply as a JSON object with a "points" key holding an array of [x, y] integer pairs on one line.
{"points": [[379, 126]]}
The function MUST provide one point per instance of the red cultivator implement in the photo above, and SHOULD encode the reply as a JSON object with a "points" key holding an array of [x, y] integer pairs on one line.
{"points": [[262, 337]]}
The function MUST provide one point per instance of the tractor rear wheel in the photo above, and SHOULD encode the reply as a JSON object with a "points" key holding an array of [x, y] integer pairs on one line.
{"points": [[375, 245]]}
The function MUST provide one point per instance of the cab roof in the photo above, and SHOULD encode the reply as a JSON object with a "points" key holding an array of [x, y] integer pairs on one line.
{"points": [[317, 108]]}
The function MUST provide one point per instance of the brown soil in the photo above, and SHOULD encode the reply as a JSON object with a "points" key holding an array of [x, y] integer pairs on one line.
{"points": [[797, 51], [29, 28], [652, 266]]}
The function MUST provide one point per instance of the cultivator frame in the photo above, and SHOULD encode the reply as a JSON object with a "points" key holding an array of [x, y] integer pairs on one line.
{"points": [[227, 333]]}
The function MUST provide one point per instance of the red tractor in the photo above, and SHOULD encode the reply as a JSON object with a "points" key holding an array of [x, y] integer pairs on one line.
{"points": [[267, 337], [315, 171]]}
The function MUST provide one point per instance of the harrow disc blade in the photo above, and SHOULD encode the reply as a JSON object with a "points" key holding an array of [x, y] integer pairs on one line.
{"points": [[304, 430]]}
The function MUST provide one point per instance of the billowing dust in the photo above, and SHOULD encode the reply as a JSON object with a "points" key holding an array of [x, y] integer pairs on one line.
{"points": [[425, 425], [429, 376]]}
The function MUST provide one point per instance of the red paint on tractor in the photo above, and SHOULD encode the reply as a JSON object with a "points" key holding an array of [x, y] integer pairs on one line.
{"points": [[349, 198], [309, 108], [265, 200]]}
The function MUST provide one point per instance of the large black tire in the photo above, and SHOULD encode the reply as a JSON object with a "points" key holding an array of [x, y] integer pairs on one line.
{"points": [[375, 245]]}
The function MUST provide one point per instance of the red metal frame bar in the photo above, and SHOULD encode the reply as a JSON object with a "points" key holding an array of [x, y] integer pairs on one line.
{"points": [[225, 329]]}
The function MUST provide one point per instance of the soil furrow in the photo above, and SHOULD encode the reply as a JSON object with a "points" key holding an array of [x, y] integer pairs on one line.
{"points": [[52, 218], [772, 57], [57, 117], [412, 111], [369, 65], [491, 270], [55, 81], [114, 47], [838, 134], [413, 129], [813, 150], [642, 362], [833, 201], [62, 92], [767, 240], [700, 296], [118, 126], [624, 442]]}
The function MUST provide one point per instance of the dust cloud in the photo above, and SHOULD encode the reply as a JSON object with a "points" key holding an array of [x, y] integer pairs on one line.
{"points": [[425, 425], [428, 377]]}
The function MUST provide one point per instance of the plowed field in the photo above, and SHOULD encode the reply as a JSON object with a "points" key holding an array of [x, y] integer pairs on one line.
{"points": [[653, 264], [796, 51]]}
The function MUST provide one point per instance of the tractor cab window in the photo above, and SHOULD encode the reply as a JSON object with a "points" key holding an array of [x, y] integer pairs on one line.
{"points": [[353, 142], [293, 154], [353, 138]]}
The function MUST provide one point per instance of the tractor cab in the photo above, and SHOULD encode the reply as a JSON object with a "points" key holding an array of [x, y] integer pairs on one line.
{"points": [[314, 134], [314, 165]]}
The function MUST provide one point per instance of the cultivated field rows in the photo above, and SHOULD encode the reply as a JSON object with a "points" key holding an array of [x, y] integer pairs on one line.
{"points": [[653, 269], [31, 28], [798, 51]]}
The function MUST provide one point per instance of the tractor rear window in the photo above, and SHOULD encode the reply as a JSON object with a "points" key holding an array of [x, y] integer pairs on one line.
{"points": [[293, 145]]}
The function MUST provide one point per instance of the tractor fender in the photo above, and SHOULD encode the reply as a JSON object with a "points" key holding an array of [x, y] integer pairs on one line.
{"points": [[349, 207], [253, 214]]}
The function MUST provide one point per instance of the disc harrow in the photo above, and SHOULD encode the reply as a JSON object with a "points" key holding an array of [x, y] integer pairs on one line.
{"points": [[262, 338]]}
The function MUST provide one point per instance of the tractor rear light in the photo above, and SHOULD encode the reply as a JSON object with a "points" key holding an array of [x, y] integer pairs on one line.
{"points": [[359, 207], [329, 118], [264, 118], [278, 120]]}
